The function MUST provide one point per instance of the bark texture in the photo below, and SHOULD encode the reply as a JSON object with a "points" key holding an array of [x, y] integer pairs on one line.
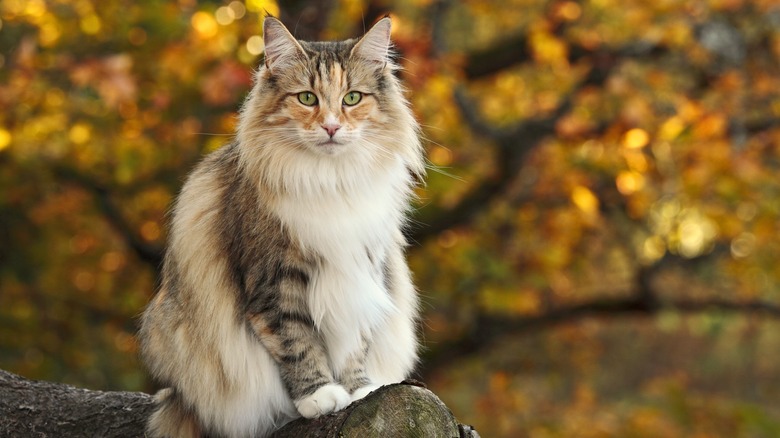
{"points": [[44, 409]]}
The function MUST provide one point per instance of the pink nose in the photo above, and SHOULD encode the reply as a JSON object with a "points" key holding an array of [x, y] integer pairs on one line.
{"points": [[331, 128]]}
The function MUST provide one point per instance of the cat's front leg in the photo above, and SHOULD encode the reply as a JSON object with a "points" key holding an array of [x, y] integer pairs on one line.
{"points": [[293, 342], [281, 321], [353, 376]]}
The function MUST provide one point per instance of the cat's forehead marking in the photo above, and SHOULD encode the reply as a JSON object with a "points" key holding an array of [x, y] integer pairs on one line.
{"points": [[328, 75], [336, 76], [324, 70]]}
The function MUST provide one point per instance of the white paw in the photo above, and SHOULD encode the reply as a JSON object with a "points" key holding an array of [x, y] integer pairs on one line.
{"points": [[362, 392], [329, 398]]}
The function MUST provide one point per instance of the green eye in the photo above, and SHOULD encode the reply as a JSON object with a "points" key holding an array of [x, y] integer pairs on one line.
{"points": [[307, 98], [352, 98]]}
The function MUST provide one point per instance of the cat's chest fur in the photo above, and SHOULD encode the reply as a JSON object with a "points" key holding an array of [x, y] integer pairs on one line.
{"points": [[350, 233]]}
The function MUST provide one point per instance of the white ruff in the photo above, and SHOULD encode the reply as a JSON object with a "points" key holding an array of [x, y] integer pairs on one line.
{"points": [[347, 296]]}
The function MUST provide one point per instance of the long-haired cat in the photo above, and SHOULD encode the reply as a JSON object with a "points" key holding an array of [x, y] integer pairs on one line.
{"points": [[285, 291]]}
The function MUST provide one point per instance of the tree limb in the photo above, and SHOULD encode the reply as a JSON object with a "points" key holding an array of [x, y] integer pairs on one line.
{"points": [[150, 254], [513, 145], [306, 19], [489, 328], [33, 408]]}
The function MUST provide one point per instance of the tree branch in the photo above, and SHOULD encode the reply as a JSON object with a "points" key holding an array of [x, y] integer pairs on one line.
{"points": [[32, 408], [489, 328], [513, 145], [514, 51], [150, 254], [306, 19]]}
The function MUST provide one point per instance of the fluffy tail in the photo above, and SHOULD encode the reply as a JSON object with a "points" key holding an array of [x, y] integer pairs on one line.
{"points": [[172, 419]]}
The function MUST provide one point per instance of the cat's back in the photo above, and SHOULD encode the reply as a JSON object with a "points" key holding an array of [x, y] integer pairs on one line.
{"points": [[214, 173], [205, 193], [215, 199]]}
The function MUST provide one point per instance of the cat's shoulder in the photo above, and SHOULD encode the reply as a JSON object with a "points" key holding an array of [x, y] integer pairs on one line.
{"points": [[224, 158]]}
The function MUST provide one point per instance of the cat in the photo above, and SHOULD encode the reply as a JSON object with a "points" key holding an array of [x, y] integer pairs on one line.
{"points": [[285, 291]]}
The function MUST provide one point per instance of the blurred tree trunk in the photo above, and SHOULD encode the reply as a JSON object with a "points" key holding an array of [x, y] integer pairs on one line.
{"points": [[306, 19], [35, 408]]}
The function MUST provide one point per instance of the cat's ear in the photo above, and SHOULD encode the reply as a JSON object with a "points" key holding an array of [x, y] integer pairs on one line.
{"points": [[375, 44], [281, 48]]}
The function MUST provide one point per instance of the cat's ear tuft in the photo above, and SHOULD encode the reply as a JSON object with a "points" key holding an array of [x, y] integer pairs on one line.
{"points": [[375, 44], [281, 48]]}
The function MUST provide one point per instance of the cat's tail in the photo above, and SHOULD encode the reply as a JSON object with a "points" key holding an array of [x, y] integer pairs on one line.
{"points": [[172, 418]]}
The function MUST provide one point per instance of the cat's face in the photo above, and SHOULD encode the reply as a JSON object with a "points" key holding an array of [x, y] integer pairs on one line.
{"points": [[328, 97], [333, 103], [327, 115]]}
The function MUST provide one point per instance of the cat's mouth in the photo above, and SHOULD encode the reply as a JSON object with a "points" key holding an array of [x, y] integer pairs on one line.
{"points": [[330, 143], [329, 147]]}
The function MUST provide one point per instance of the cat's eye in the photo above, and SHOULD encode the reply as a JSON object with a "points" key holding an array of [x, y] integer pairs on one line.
{"points": [[352, 98], [307, 98]]}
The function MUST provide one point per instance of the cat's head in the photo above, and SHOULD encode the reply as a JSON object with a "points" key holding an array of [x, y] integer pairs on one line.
{"points": [[331, 104]]}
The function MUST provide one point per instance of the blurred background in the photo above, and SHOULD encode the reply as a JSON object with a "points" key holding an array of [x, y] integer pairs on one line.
{"points": [[596, 247]]}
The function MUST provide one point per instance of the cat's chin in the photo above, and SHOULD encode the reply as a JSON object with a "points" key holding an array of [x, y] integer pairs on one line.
{"points": [[330, 147]]}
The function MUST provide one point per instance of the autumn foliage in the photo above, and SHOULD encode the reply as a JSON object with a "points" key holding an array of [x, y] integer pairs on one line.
{"points": [[597, 244]]}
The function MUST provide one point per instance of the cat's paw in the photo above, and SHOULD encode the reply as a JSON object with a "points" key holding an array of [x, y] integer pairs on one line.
{"points": [[364, 391], [329, 398]]}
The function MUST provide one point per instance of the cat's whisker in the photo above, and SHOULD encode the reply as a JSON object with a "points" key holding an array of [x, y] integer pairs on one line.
{"points": [[425, 125], [387, 137], [379, 145], [272, 130], [382, 152], [436, 143], [215, 134], [441, 171], [433, 167]]}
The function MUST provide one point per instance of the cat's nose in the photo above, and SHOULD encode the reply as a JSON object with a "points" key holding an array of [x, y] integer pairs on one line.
{"points": [[331, 128]]}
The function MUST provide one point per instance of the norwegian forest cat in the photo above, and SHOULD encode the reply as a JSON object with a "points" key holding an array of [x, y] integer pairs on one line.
{"points": [[284, 290]]}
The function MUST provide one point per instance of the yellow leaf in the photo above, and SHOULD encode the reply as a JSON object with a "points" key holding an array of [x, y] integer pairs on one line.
{"points": [[585, 200], [204, 24], [653, 249], [5, 139], [636, 160], [91, 24], [548, 49], [671, 128], [80, 133], [255, 45], [636, 139], [629, 182]]}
